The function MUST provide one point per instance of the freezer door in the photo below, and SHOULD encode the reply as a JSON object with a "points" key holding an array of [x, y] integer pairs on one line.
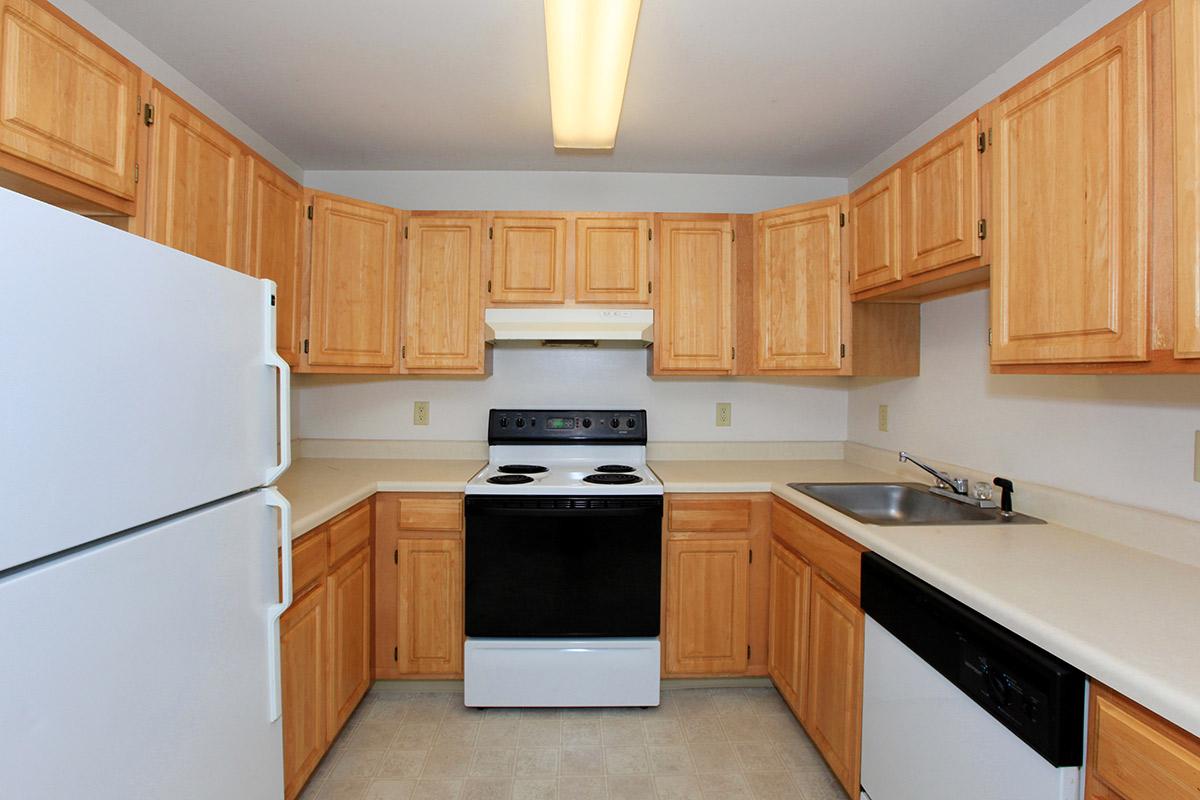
{"points": [[139, 667], [138, 381]]}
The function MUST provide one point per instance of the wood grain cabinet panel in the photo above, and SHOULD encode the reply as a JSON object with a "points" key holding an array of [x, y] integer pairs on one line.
{"points": [[799, 288], [429, 631], [349, 531], [787, 652], [303, 646], [275, 246], [197, 191], [310, 559], [707, 606], [833, 708], [349, 588], [444, 307], [612, 260], [940, 211], [68, 103], [1069, 211], [529, 259], [1187, 178], [1136, 755], [353, 303], [430, 514], [874, 221], [694, 317], [708, 514]]}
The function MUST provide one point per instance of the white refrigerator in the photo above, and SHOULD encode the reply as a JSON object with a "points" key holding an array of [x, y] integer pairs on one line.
{"points": [[143, 416]]}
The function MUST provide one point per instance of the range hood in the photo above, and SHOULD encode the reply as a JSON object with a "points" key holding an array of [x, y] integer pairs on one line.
{"points": [[569, 326]]}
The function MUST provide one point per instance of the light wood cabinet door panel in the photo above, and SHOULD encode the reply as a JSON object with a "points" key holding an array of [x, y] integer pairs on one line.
{"points": [[197, 193], [353, 300], [1070, 182], [612, 260], [304, 648], [529, 259], [787, 653], [707, 606], [874, 220], [67, 102], [694, 318], [349, 589], [940, 210], [275, 247], [444, 309], [834, 703], [799, 289], [1187, 178], [430, 606], [1136, 755]]}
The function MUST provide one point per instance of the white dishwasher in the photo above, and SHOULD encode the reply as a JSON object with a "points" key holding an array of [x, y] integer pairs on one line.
{"points": [[955, 707]]}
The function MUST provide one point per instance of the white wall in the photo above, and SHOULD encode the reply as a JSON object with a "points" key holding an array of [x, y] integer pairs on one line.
{"points": [[1056, 41], [344, 407], [574, 191], [1125, 438]]}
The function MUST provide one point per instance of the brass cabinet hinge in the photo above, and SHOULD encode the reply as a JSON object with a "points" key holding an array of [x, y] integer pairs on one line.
{"points": [[137, 172], [733, 352], [981, 142], [403, 350], [841, 219], [989, 137], [148, 114], [982, 229], [310, 212], [989, 337]]}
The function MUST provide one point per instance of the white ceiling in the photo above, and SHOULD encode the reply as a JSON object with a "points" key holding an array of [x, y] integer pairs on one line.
{"points": [[769, 87]]}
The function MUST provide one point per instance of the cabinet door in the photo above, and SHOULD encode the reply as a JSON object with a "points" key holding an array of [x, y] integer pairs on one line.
{"points": [[349, 588], [707, 605], [302, 636], [444, 309], [834, 706], [430, 604], [694, 318], [196, 198], [69, 103], [1187, 179], [799, 289], [940, 210], [353, 299], [1070, 176], [612, 260], [274, 247], [529, 260], [787, 654], [874, 222]]}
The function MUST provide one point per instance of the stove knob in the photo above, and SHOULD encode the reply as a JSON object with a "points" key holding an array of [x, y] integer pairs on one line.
{"points": [[587, 423], [616, 423], [520, 422], [504, 422], [629, 423]]}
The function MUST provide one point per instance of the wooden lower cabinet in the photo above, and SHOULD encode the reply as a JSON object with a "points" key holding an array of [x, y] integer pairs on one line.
{"points": [[1134, 754], [833, 707], [787, 649], [349, 637], [708, 601], [303, 642]]}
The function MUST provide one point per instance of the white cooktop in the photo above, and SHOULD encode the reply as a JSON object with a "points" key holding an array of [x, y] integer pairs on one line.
{"points": [[567, 465]]}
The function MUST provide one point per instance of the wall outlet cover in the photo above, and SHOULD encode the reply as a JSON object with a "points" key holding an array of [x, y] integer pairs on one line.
{"points": [[420, 412], [724, 415], [883, 418]]}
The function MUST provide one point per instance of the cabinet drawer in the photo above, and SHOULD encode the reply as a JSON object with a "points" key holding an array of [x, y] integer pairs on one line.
{"points": [[308, 559], [835, 557], [430, 514], [1139, 755], [709, 515], [349, 532]]}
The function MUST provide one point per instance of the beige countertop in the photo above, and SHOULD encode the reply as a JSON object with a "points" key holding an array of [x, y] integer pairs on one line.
{"points": [[1124, 616]]}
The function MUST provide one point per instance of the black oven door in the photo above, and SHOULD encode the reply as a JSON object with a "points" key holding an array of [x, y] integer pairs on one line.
{"points": [[563, 566]]}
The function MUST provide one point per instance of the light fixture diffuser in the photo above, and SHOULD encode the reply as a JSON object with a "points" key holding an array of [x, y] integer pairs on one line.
{"points": [[588, 44]]}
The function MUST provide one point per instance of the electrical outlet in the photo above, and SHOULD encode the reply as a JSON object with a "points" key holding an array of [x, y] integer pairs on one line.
{"points": [[1196, 456], [724, 415], [420, 412], [883, 421]]}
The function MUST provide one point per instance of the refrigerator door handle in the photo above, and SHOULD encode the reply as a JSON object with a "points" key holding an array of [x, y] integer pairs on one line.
{"points": [[285, 388], [275, 610]]}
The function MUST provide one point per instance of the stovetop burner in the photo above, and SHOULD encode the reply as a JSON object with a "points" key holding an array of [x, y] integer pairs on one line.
{"points": [[521, 469], [612, 478], [615, 468], [510, 479]]}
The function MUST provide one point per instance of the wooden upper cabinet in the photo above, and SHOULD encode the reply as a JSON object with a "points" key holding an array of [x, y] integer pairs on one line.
{"points": [[443, 299], [874, 220], [274, 246], [798, 287], [1070, 183], [353, 304], [708, 600], [196, 197], [1187, 179], [694, 317], [940, 211], [67, 102], [612, 260], [529, 259]]}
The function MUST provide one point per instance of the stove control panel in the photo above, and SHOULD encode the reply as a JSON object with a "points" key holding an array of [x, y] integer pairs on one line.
{"points": [[550, 426]]}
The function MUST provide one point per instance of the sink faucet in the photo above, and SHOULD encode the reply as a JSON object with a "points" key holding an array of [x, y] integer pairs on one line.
{"points": [[944, 481]]}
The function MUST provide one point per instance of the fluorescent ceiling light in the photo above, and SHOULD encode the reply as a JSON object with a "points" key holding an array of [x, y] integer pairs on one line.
{"points": [[588, 43]]}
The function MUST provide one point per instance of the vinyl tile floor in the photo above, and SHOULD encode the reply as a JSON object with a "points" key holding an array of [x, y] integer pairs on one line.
{"points": [[700, 744]]}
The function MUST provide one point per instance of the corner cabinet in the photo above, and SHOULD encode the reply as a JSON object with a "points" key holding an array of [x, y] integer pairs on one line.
{"points": [[695, 300], [1187, 178], [443, 328], [874, 221], [275, 246]]}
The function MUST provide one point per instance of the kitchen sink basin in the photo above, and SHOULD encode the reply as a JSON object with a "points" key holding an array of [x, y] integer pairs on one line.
{"points": [[903, 504]]}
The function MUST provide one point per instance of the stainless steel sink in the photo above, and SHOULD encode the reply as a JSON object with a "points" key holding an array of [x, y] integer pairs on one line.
{"points": [[903, 504]]}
